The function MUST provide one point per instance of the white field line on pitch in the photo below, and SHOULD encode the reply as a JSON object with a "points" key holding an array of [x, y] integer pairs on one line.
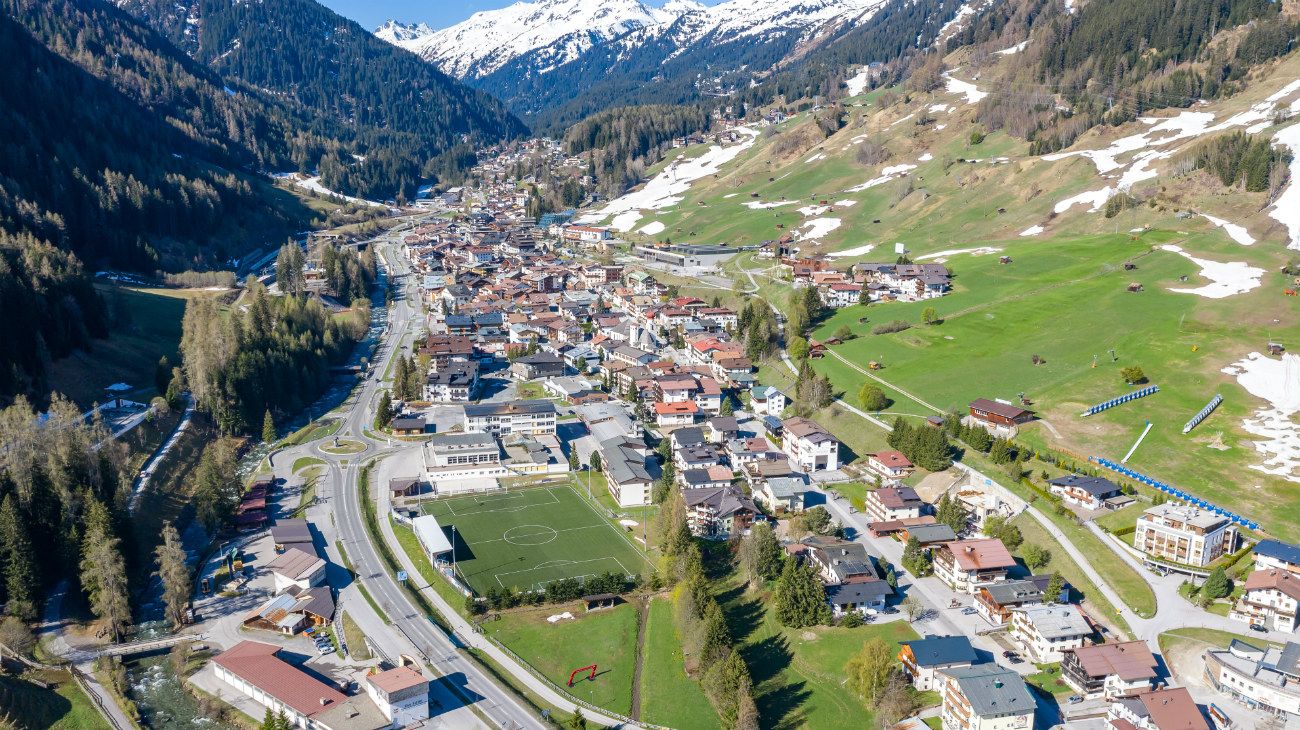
{"points": [[557, 532], [516, 508], [552, 565]]}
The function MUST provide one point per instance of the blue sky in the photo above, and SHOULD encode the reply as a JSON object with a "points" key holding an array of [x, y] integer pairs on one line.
{"points": [[437, 13]]}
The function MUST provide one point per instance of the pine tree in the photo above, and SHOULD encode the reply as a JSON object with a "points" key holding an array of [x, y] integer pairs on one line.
{"points": [[915, 560], [800, 597], [18, 558], [596, 465], [1216, 584], [760, 553], [1054, 587], [174, 574], [950, 512], [103, 573], [977, 438], [268, 428], [401, 373], [384, 412]]}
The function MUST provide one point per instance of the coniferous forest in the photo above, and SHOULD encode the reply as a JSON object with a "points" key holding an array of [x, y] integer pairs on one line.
{"points": [[394, 113]]}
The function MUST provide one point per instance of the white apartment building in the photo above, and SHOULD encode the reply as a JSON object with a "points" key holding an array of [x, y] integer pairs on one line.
{"points": [[1264, 679], [402, 695], [984, 697], [1045, 631], [1184, 534], [528, 417], [1271, 599], [810, 447]]}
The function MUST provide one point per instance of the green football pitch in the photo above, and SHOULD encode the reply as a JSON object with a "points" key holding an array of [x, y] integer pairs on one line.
{"points": [[530, 537]]}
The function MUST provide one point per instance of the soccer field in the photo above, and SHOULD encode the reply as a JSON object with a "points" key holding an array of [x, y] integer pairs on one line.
{"points": [[530, 537]]}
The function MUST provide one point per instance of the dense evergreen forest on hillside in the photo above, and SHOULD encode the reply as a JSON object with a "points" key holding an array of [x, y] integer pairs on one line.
{"points": [[395, 112], [275, 356], [153, 185], [621, 143], [892, 37], [1115, 59], [59, 491]]}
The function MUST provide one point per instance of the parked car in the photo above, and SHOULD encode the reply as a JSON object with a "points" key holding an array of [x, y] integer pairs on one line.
{"points": [[1261, 628], [968, 611], [1074, 699]]}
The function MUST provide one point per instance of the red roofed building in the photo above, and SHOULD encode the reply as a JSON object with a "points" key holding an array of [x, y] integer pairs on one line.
{"points": [[256, 671], [966, 565], [402, 694], [890, 464], [676, 414], [1271, 600], [1110, 670]]}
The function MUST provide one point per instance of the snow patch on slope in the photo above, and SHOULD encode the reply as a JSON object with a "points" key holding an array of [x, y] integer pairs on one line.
{"points": [[668, 187], [1226, 277], [1278, 382]]}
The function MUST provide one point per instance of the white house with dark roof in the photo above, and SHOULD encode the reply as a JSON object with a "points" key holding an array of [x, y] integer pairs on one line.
{"points": [[810, 447], [1084, 491], [921, 658], [1045, 631], [984, 697], [1277, 554], [295, 568], [893, 503]]}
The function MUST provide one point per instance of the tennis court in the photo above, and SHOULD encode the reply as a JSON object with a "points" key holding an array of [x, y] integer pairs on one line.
{"points": [[530, 537]]}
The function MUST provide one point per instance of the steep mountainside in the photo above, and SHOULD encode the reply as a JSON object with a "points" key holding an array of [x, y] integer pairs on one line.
{"points": [[681, 52], [119, 151], [398, 112]]}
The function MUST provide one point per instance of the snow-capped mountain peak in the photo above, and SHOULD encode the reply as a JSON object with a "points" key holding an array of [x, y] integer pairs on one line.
{"points": [[565, 28], [554, 32], [402, 34]]}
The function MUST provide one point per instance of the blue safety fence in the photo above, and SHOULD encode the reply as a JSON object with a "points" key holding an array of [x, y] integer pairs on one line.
{"points": [[1205, 413], [1144, 392], [1173, 491]]}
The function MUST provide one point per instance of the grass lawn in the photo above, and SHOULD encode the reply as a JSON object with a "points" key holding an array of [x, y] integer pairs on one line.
{"points": [[999, 315], [1033, 533], [1121, 518], [345, 446], [799, 673], [855, 492], [65, 707], [308, 495], [129, 355], [1048, 679], [357, 648], [668, 696], [604, 638], [303, 462], [1220, 639], [530, 537], [530, 390]]}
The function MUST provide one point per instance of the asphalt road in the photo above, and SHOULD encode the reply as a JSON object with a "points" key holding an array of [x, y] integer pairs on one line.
{"points": [[499, 705]]}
